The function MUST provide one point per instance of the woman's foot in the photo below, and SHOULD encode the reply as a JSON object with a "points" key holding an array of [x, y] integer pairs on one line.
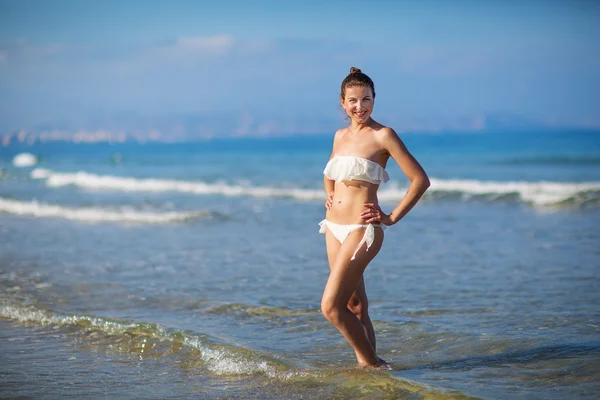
{"points": [[380, 364]]}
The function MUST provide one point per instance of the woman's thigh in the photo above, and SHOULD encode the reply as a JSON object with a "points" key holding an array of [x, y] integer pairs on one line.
{"points": [[346, 274], [333, 246]]}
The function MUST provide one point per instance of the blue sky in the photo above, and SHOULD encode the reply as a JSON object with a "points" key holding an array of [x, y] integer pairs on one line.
{"points": [[276, 65]]}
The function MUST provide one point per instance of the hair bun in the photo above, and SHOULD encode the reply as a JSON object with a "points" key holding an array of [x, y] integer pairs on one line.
{"points": [[355, 70]]}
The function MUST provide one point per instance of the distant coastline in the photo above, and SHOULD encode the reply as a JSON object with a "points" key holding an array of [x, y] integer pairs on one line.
{"points": [[24, 138], [201, 127]]}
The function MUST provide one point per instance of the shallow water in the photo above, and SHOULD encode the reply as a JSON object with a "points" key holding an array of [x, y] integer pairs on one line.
{"points": [[196, 271]]}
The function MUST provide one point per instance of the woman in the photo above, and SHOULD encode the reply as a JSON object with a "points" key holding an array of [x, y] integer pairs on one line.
{"points": [[354, 222]]}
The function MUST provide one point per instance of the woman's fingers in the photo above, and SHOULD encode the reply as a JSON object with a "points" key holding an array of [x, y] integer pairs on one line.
{"points": [[372, 214], [371, 217], [371, 210]]}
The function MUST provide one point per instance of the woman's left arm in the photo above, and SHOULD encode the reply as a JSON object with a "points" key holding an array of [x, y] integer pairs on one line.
{"points": [[419, 181]]}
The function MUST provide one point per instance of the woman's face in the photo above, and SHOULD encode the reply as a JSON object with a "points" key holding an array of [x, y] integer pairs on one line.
{"points": [[358, 103]]}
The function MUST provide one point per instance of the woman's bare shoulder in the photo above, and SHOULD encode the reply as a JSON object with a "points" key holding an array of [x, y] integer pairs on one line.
{"points": [[386, 133], [389, 141], [340, 131], [339, 134], [337, 137]]}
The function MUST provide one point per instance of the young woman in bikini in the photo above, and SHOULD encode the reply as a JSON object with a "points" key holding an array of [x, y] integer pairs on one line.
{"points": [[354, 222]]}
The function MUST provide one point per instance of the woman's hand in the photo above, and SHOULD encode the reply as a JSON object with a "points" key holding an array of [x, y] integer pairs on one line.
{"points": [[374, 214], [329, 201]]}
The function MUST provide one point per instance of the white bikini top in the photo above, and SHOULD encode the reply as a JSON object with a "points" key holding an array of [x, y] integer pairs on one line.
{"points": [[352, 168]]}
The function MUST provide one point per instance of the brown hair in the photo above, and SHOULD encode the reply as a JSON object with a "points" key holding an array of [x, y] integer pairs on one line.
{"points": [[356, 78]]}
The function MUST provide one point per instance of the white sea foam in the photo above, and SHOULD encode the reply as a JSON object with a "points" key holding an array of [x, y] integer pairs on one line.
{"points": [[218, 359], [536, 193], [539, 193], [108, 182], [108, 326], [224, 361], [24, 160], [93, 214], [40, 173]]}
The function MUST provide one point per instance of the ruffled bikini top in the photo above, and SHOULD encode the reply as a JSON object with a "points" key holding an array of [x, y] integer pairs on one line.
{"points": [[352, 168]]}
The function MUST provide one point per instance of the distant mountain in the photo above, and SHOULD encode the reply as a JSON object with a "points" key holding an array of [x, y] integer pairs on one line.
{"points": [[509, 122], [241, 123], [180, 127]]}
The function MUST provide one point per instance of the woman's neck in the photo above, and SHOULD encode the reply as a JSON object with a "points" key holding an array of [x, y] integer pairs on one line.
{"points": [[358, 126]]}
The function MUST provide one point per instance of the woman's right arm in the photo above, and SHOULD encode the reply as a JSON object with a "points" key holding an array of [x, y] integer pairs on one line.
{"points": [[328, 184], [329, 191]]}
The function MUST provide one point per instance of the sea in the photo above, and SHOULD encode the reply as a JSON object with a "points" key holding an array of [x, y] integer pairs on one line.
{"points": [[195, 271]]}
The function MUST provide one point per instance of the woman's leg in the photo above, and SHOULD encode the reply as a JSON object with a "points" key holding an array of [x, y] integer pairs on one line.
{"points": [[358, 303], [359, 306], [333, 246], [344, 278]]}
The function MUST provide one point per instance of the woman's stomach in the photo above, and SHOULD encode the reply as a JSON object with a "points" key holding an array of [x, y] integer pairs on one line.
{"points": [[348, 202]]}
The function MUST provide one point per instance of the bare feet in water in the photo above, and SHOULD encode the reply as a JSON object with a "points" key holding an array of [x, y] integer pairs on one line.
{"points": [[381, 364]]}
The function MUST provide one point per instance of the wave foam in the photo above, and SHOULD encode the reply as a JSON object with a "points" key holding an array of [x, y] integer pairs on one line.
{"points": [[144, 338], [108, 326], [541, 193], [94, 214], [219, 359], [25, 160], [538, 193], [108, 182], [41, 173]]}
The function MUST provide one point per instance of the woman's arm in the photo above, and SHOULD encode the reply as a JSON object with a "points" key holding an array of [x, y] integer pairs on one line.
{"points": [[413, 171], [419, 181], [328, 184], [329, 192]]}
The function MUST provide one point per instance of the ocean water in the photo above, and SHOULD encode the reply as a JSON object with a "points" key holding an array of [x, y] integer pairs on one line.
{"points": [[176, 271]]}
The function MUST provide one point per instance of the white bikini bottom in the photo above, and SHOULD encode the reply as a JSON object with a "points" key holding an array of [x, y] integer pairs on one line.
{"points": [[342, 231]]}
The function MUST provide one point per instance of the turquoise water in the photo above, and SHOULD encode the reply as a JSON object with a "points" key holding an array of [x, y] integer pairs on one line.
{"points": [[196, 270]]}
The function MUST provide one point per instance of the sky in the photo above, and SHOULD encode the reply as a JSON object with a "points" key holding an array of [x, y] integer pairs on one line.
{"points": [[263, 67]]}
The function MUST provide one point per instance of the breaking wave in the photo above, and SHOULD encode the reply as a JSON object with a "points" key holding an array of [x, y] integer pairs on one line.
{"points": [[540, 193], [95, 214], [108, 182], [148, 339]]}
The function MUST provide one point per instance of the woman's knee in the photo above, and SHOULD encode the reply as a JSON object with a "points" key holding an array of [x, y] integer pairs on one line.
{"points": [[331, 311]]}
